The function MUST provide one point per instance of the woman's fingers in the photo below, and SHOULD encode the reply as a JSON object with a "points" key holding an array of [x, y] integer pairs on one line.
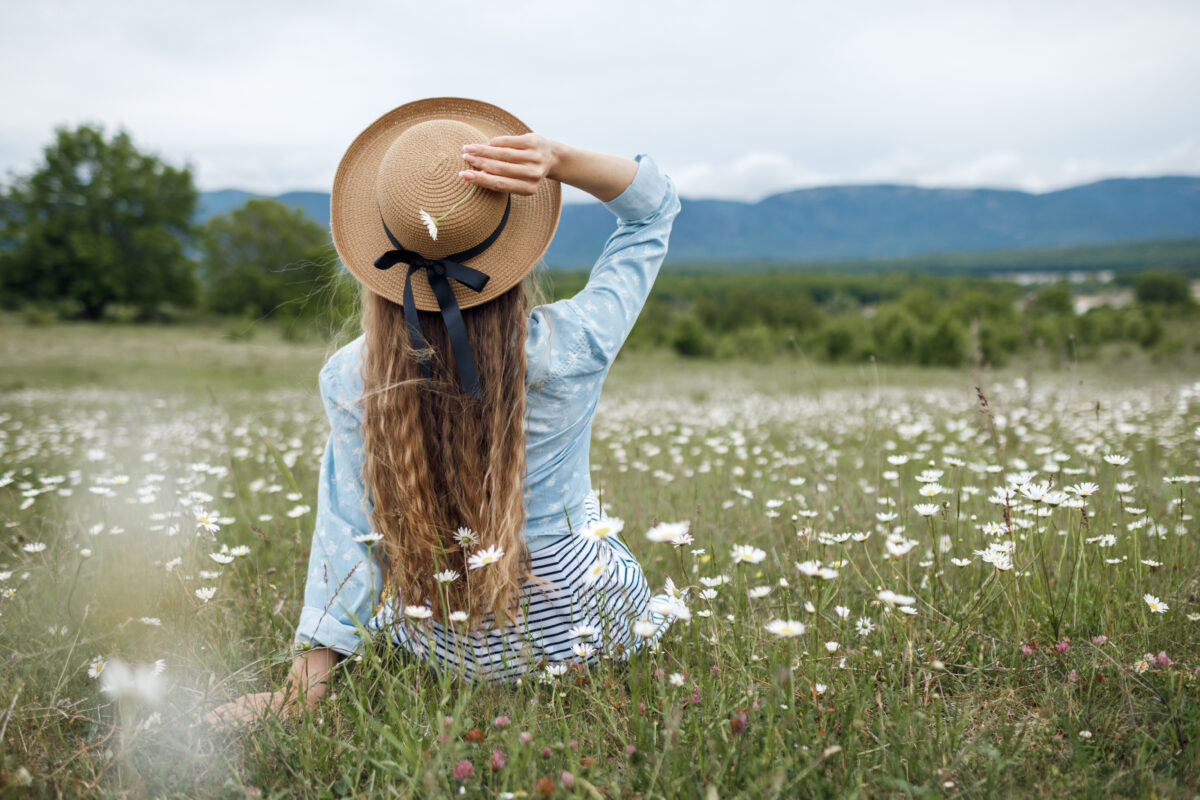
{"points": [[505, 169], [248, 708], [498, 183], [517, 155]]}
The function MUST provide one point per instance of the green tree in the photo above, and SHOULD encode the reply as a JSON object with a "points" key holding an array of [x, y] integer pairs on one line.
{"points": [[98, 223], [1165, 288], [265, 259]]}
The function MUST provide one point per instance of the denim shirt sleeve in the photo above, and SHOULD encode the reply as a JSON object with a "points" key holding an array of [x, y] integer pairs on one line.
{"points": [[344, 582], [581, 335]]}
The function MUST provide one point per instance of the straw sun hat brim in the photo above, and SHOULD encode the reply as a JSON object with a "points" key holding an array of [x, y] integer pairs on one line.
{"points": [[357, 229]]}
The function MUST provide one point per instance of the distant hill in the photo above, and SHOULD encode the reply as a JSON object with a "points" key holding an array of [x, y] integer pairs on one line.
{"points": [[857, 222]]}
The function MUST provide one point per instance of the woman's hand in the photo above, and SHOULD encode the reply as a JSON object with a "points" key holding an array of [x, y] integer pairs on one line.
{"points": [[512, 164], [252, 707], [306, 684], [518, 165]]}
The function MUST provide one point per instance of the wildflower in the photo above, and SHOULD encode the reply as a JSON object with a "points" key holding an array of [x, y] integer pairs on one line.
{"points": [[927, 509], [1083, 489], [1156, 606], [746, 554], [1073, 676], [207, 520], [567, 780], [863, 627], [819, 688], [299, 511], [785, 628], [221, 558], [1115, 459], [719, 580], [143, 682], [841, 611], [1162, 660], [369, 538], [153, 621], [206, 593], [240, 550], [459, 616], [758, 592], [893, 599], [602, 530], [526, 737], [1099, 641], [430, 225], [583, 650], [670, 607], [676, 679], [597, 570], [1085, 734], [418, 612], [674, 532], [446, 576], [489, 555], [467, 539], [644, 628], [832, 647], [501, 722], [463, 770], [96, 667], [1141, 665], [582, 632], [34, 547], [931, 490]]}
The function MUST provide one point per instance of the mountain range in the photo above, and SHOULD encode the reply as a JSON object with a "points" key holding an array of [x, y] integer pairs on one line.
{"points": [[875, 221]]}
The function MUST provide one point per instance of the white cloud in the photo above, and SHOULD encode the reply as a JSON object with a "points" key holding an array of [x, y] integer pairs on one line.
{"points": [[737, 99]]}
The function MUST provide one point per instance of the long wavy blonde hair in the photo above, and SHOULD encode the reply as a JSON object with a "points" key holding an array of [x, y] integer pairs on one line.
{"points": [[437, 460]]}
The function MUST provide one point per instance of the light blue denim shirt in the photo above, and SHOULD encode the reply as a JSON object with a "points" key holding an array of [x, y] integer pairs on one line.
{"points": [[571, 345]]}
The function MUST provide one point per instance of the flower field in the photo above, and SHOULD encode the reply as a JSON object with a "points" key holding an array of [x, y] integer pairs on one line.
{"points": [[884, 584]]}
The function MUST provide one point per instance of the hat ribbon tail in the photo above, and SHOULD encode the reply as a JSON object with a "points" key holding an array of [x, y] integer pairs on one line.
{"points": [[438, 271]]}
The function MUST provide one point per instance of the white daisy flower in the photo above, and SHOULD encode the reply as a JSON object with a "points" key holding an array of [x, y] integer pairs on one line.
{"points": [[418, 612], [206, 593], [430, 225], [368, 538], [489, 555], [785, 627], [602, 530], [1156, 606], [747, 554]]}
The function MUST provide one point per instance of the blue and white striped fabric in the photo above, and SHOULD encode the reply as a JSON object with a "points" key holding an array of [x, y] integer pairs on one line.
{"points": [[610, 605]]}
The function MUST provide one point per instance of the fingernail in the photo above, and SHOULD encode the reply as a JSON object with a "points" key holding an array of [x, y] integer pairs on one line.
{"points": [[467, 175], [468, 157], [469, 148]]}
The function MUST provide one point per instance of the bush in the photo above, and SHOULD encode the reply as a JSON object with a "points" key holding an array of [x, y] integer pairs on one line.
{"points": [[945, 344], [690, 339], [1163, 288], [754, 343]]}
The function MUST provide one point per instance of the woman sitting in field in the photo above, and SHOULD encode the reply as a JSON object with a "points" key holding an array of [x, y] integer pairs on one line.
{"points": [[455, 509]]}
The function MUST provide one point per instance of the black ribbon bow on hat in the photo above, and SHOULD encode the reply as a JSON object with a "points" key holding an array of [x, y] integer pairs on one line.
{"points": [[439, 271]]}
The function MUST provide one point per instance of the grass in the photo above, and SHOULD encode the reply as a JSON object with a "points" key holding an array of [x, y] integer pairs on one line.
{"points": [[999, 684]]}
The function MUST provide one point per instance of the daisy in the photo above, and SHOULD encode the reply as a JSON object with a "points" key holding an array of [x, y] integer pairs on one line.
{"points": [[206, 593], [927, 509], [758, 592], [489, 555], [893, 599], [1157, 606], [221, 558], [583, 650], [644, 628], [832, 647], [368, 538], [95, 667], [240, 550], [674, 532], [1115, 459], [864, 626], [602, 530], [676, 679], [152, 621], [747, 554], [418, 612], [446, 576], [430, 225], [582, 632], [458, 616], [207, 519], [34, 547], [596, 571], [842, 612], [785, 627], [467, 539]]}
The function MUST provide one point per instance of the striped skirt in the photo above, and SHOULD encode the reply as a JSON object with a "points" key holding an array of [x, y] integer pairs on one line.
{"points": [[568, 616]]}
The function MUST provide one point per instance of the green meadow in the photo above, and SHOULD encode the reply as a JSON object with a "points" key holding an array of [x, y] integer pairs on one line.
{"points": [[903, 582]]}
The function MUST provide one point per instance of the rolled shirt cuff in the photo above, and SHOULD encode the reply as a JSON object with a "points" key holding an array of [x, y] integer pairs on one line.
{"points": [[644, 195], [319, 628]]}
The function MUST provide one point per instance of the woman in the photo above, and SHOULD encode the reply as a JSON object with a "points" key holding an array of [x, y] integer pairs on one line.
{"points": [[455, 510]]}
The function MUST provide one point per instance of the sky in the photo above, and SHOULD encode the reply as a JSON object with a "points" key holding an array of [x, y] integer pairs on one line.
{"points": [[735, 100]]}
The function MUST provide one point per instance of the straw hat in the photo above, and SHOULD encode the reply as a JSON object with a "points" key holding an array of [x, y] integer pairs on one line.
{"points": [[407, 162]]}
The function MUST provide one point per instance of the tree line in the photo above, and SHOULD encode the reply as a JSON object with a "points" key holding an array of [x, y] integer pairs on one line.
{"points": [[101, 230]]}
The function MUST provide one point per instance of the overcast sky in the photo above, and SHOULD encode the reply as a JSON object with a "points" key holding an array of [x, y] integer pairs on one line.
{"points": [[735, 99]]}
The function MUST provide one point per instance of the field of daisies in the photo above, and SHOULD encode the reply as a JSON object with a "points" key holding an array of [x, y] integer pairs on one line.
{"points": [[880, 584]]}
